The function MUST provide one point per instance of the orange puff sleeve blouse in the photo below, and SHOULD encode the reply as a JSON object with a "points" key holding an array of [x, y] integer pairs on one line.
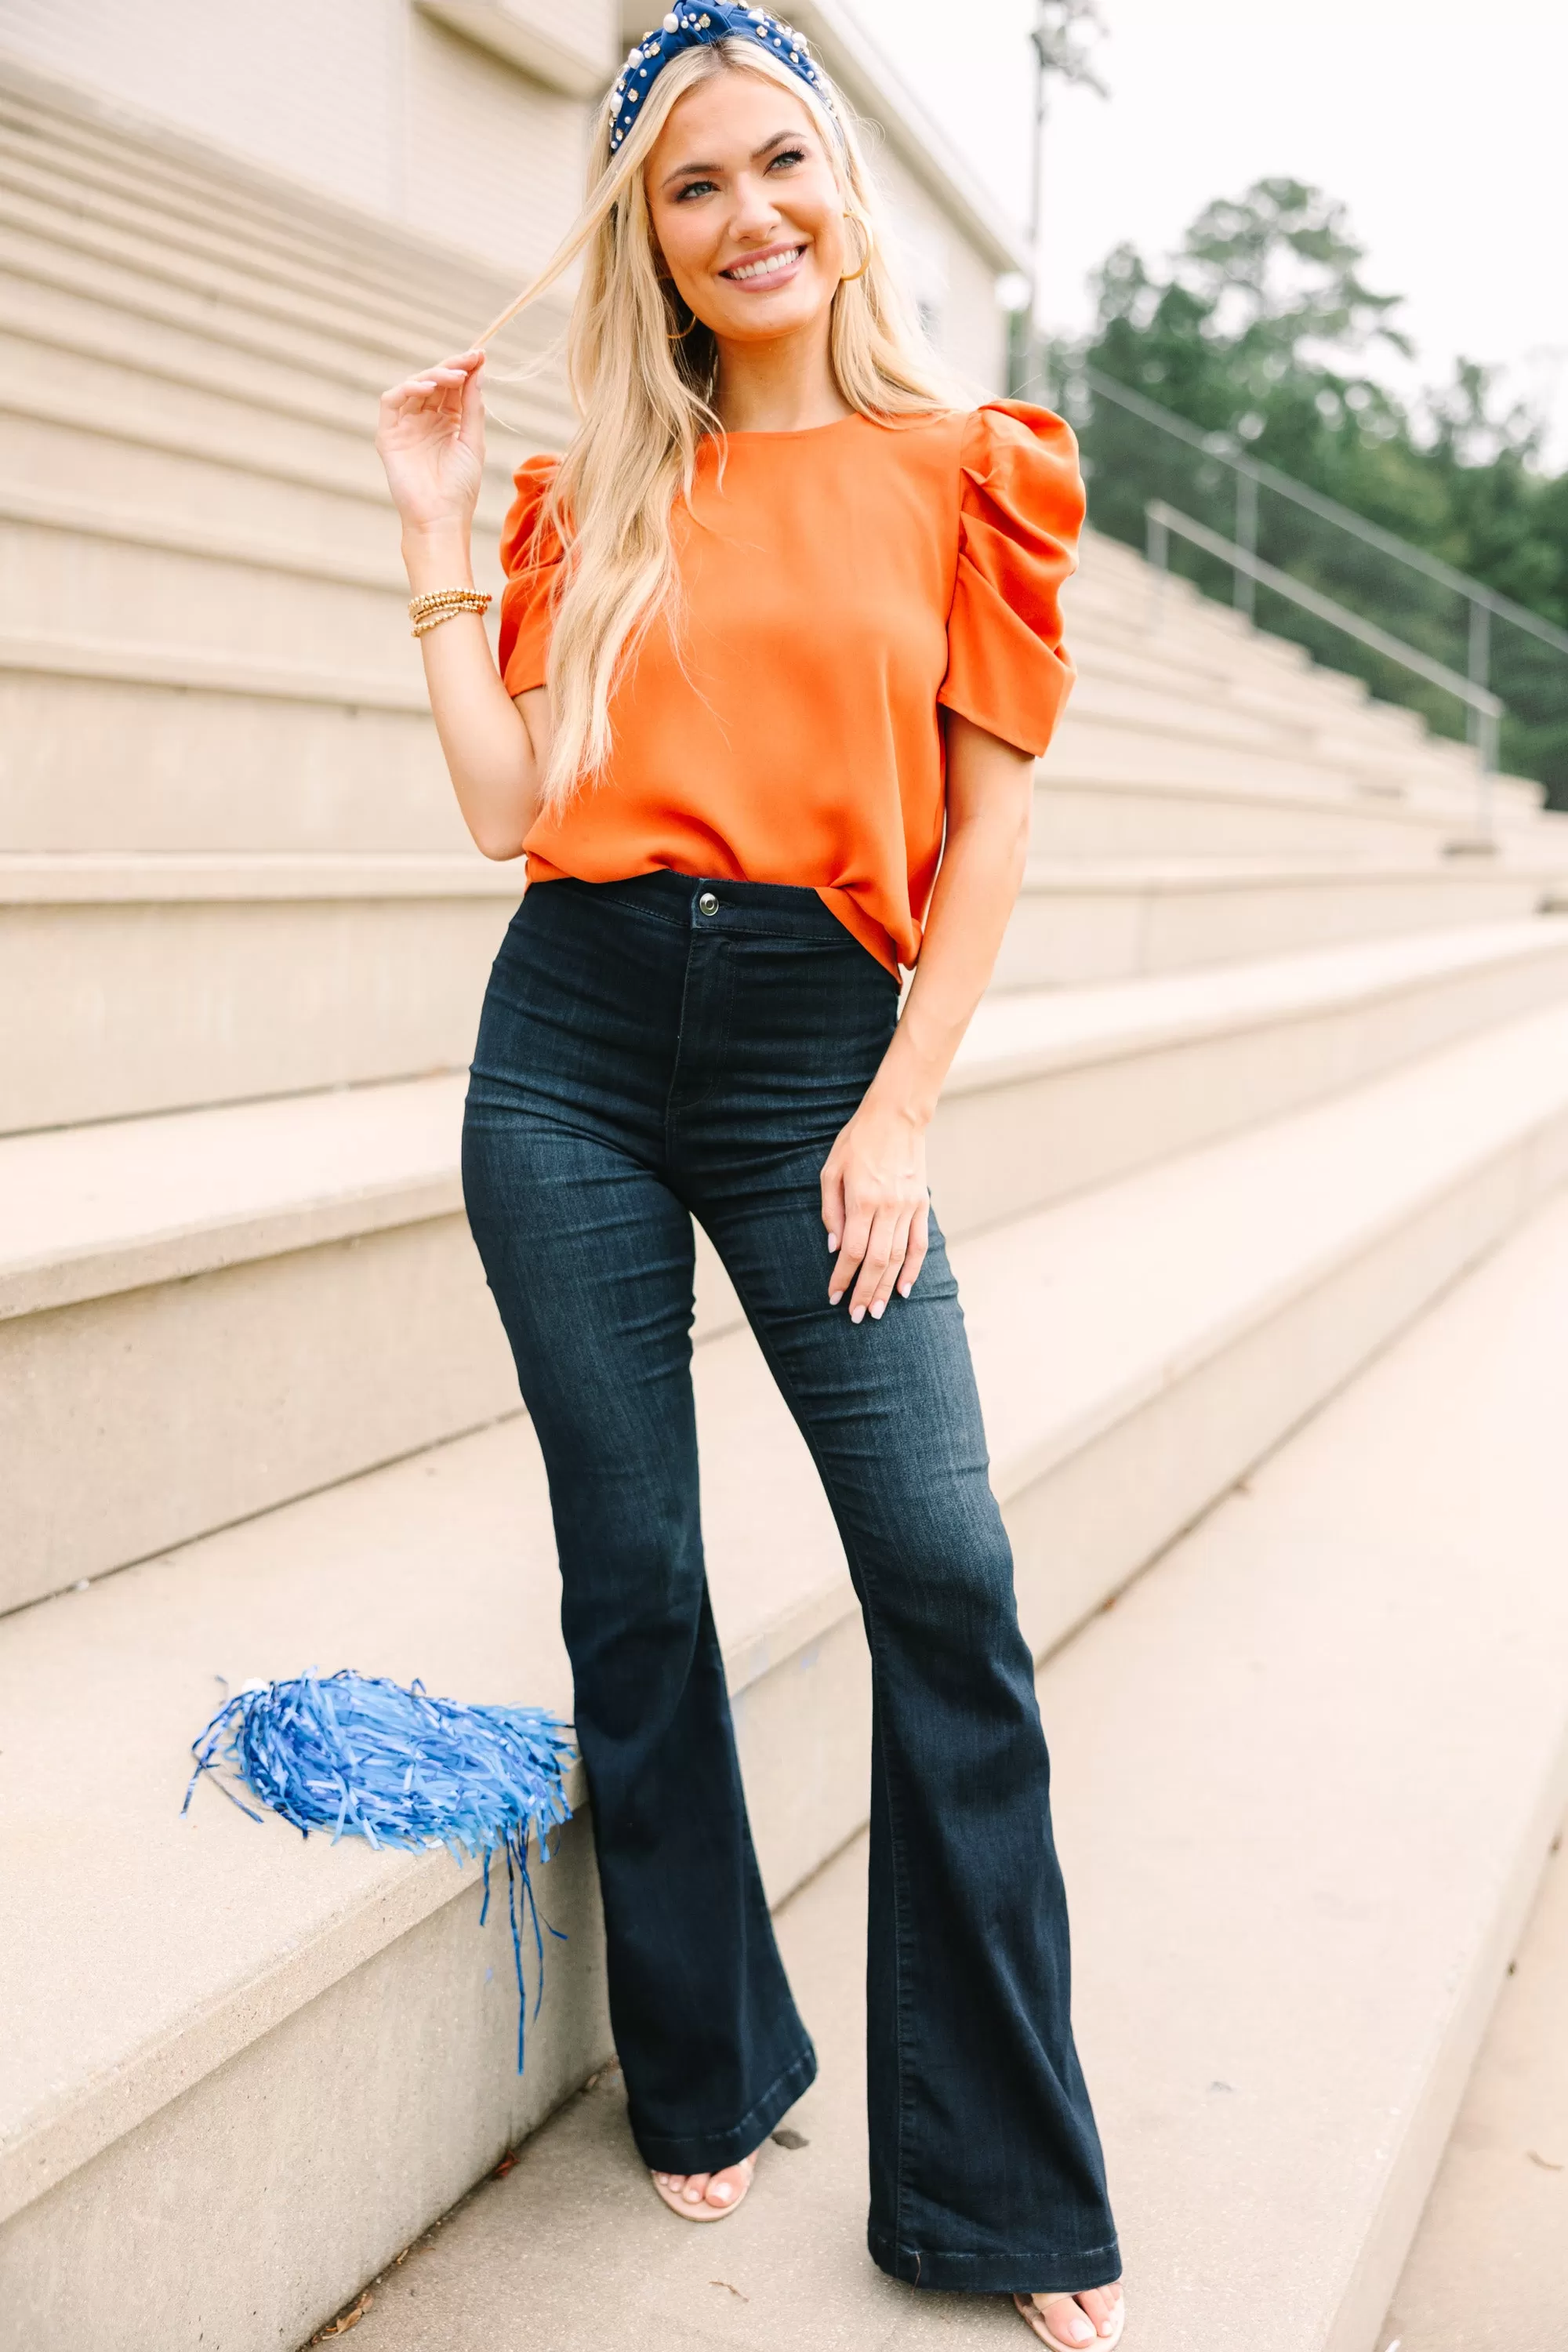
{"points": [[839, 586]]}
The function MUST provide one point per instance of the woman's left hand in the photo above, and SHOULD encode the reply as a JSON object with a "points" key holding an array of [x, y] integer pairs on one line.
{"points": [[876, 1207]]}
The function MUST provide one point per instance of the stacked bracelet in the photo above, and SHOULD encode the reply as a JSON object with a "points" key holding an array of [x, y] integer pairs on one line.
{"points": [[439, 604]]}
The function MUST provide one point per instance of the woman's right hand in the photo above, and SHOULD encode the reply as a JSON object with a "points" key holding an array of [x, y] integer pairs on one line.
{"points": [[431, 440]]}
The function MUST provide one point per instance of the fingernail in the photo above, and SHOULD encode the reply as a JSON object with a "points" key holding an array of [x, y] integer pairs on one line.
{"points": [[833, 1241], [856, 1315], [905, 1288], [833, 1297], [878, 1310]]}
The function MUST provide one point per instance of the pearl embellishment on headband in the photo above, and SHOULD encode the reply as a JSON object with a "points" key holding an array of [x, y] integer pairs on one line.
{"points": [[684, 29]]}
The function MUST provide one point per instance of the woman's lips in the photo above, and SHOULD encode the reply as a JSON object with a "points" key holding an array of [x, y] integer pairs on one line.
{"points": [[765, 269]]}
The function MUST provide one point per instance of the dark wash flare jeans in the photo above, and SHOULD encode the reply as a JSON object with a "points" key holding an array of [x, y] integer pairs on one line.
{"points": [[661, 1049]]}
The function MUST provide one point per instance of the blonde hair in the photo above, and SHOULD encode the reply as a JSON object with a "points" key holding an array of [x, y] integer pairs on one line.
{"points": [[644, 392]]}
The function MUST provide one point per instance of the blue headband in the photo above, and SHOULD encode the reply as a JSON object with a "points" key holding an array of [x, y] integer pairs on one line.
{"points": [[698, 28]]}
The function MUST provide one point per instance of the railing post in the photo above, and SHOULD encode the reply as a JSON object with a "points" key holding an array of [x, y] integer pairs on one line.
{"points": [[1159, 552], [1245, 592], [1479, 666], [1488, 758]]}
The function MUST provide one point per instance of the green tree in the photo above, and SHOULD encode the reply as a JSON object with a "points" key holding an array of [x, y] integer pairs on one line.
{"points": [[1264, 333]]}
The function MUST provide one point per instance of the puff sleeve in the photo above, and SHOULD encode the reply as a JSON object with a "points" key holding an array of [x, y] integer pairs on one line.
{"points": [[530, 558], [1021, 509]]}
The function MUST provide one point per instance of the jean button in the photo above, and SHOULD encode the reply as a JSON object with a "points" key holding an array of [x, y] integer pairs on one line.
{"points": [[708, 903]]}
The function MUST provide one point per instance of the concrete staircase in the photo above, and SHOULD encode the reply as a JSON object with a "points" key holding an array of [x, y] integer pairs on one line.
{"points": [[1267, 1068]]}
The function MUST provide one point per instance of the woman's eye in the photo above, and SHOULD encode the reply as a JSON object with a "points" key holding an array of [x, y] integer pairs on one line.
{"points": [[789, 155], [695, 188]]}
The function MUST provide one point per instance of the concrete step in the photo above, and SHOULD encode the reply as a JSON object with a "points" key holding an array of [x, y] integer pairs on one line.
{"points": [[215, 312], [1117, 680], [1056, 1091], [1271, 2069], [310, 489], [148, 984], [76, 693], [142, 983], [94, 708], [1331, 710], [1490, 2264], [1078, 920], [379, 783], [316, 1246], [78, 427], [90, 167], [123, 271], [109, 745], [141, 370], [1104, 735], [88, 173], [1196, 1313], [205, 586], [1100, 799], [67, 462], [1116, 579], [145, 241], [1368, 742], [191, 588]]}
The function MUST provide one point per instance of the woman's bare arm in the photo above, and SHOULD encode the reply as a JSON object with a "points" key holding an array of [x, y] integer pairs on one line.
{"points": [[874, 1198], [431, 439]]}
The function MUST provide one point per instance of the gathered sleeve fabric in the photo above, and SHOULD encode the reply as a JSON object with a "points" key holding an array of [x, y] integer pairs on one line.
{"points": [[1020, 513], [530, 558]]}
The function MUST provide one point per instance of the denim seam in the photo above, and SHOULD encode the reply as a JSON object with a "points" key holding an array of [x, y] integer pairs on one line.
{"points": [[675, 1059], [1027, 2270], [1057, 2254], [801, 935], [673, 1110], [900, 1875], [629, 907]]}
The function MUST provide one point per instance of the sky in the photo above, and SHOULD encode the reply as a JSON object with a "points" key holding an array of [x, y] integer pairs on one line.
{"points": [[1440, 126]]}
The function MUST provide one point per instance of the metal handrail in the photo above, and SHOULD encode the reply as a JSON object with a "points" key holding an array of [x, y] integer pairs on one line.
{"points": [[1216, 446], [1163, 520]]}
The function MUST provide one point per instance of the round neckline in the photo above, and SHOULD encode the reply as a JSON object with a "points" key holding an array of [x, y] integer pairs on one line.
{"points": [[786, 432]]}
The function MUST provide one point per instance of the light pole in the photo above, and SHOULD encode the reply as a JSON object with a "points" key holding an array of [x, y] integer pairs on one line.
{"points": [[1059, 38]]}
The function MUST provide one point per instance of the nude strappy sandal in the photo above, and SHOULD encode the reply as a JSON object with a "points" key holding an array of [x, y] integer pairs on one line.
{"points": [[1029, 2312], [706, 2212]]}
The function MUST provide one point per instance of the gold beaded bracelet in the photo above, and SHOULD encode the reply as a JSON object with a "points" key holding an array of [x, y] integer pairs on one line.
{"points": [[439, 604]]}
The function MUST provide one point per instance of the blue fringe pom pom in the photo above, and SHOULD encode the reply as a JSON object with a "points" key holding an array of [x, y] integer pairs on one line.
{"points": [[362, 1757]]}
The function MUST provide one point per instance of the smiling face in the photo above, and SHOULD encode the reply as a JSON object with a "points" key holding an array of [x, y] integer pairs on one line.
{"points": [[746, 210]]}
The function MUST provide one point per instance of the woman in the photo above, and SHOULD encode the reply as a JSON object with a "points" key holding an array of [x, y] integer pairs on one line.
{"points": [[780, 632]]}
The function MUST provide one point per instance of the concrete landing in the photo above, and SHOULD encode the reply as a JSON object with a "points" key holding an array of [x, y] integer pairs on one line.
{"points": [[1308, 1772], [1489, 2271]]}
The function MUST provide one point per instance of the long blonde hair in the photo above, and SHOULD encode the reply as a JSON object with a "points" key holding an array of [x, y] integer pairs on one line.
{"points": [[643, 378]]}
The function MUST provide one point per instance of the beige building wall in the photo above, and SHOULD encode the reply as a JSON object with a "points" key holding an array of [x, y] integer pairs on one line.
{"points": [[954, 286], [374, 101], [468, 119]]}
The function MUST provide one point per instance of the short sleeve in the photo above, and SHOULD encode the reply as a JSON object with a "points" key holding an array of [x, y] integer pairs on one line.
{"points": [[1021, 509], [530, 558]]}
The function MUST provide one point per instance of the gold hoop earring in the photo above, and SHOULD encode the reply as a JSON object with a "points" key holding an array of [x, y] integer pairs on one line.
{"points": [[849, 276]]}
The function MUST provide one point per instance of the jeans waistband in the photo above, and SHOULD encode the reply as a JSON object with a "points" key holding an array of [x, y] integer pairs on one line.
{"points": [[699, 903]]}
